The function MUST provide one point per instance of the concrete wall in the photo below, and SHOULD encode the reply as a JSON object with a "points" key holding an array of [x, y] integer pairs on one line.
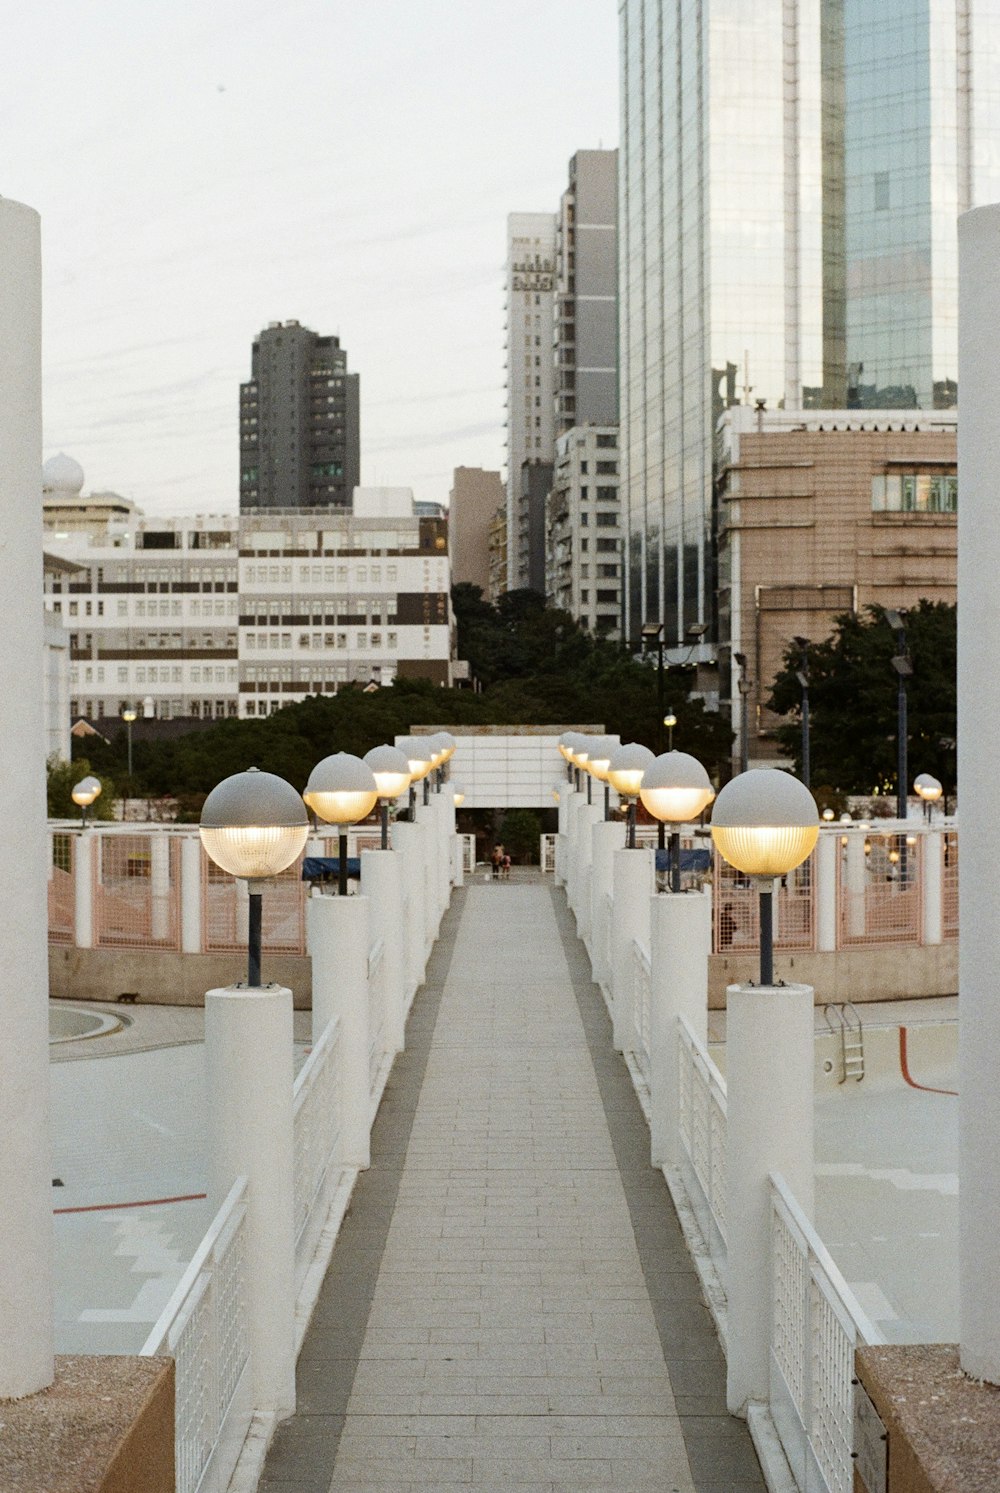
{"points": [[163, 977], [893, 972]]}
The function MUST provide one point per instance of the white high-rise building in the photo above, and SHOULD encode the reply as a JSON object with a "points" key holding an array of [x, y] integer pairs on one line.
{"points": [[531, 263]]}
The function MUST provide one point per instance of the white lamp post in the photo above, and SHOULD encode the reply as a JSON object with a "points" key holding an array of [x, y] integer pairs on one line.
{"points": [[83, 795], [457, 795], [602, 750], [625, 773], [392, 778], [929, 790], [341, 790], [420, 758], [128, 716], [253, 825], [676, 789], [765, 823]]}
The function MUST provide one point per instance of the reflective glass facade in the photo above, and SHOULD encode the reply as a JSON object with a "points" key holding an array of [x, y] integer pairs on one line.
{"points": [[790, 179]]}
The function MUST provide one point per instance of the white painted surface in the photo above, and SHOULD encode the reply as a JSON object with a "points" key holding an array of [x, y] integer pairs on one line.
{"points": [[339, 943], [249, 1070], [769, 1093], [190, 894], [606, 837], [978, 712], [507, 772], [933, 868], [680, 937], [381, 884], [26, 1313], [406, 838], [827, 854], [633, 883]]}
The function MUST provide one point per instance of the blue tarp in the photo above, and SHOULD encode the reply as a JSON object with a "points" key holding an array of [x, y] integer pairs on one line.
{"points": [[693, 862], [322, 867]]}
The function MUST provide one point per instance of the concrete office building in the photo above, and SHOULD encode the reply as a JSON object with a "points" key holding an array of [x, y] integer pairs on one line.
{"points": [[475, 496], [790, 182], [583, 529], [585, 335], [498, 554], [531, 262], [300, 442], [823, 512]]}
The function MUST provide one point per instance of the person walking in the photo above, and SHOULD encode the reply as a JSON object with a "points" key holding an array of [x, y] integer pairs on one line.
{"points": [[496, 860]]}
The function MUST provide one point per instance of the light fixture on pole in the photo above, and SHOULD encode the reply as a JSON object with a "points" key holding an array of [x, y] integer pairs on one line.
{"points": [[928, 790], [625, 774], [562, 746], [253, 825], [447, 745], [602, 750], [670, 721], [392, 778], [581, 756], [802, 675], [765, 823], [652, 633], [744, 686], [420, 760], [676, 789], [903, 665], [457, 795], [828, 815], [129, 714], [83, 794], [341, 790]]}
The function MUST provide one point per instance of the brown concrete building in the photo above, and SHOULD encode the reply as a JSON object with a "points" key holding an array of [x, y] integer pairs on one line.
{"points": [[498, 554], [819, 513], [475, 496]]}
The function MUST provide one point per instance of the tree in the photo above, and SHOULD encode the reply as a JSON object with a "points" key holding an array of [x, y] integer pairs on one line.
{"points": [[520, 831], [853, 699], [61, 778]]}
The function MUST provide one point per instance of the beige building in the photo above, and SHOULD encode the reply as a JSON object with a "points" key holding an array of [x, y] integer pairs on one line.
{"points": [[475, 496], [498, 554], [824, 512]]}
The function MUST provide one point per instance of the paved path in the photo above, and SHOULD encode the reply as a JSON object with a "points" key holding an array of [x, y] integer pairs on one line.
{"points": [[510, 1303]]}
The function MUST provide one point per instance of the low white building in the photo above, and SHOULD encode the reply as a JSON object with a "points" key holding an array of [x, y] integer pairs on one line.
{"points": [[219, 616], [583, 529]]}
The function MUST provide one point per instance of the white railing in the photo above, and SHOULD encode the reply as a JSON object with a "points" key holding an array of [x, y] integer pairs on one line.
{"points": [[547, 852], [468, 854], [316, 1144], [376, 1015], [816, 1326], [641, 994], [702, 1116], [204, 1327]]}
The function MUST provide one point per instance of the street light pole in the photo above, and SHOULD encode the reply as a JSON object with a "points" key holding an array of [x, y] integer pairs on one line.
{"points": [[903, 665], [802, 675], [744, 687]]}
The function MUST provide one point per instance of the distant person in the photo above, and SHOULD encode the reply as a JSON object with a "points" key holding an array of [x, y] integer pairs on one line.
{"points": [[505, 863], [496, 860]]}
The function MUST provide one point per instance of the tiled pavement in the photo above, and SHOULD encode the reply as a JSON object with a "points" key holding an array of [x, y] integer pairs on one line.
{"points": [[510, 1303]]}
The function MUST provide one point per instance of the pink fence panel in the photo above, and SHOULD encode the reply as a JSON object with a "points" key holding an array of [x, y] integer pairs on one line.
{"points": [[224, 911], [880, 890], [62, 889], [736, 910], [949, 885], [136, 890]]}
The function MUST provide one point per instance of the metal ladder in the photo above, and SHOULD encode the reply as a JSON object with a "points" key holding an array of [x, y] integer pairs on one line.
{"points": [[844, 1021]]}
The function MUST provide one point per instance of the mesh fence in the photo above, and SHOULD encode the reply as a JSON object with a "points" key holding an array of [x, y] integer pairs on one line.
{"points": [[225, 910], [736, 909], [136, 890], [62, 889], [879, 889], [949, 885]]}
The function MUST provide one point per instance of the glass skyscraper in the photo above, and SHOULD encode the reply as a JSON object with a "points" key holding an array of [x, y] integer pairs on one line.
{"points": [[791, 172]]}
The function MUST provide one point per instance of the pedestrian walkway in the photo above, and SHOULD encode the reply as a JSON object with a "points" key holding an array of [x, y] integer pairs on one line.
{"points": [[510, 1303]]}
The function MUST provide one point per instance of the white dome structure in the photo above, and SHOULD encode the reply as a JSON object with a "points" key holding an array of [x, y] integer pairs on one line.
{"points": [[62, 477]]}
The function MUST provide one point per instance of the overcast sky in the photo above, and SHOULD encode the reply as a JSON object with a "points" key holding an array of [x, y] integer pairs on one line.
{"points": [[203, 167]]}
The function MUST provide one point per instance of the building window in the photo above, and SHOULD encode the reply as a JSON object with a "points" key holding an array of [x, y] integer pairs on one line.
{"points": [[914, 492]]}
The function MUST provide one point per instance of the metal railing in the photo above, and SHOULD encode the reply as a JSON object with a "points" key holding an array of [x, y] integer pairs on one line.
{"points": [[816, 1326], [136, 890], [949, 885], [736, 910], [62, 889], [316, 1143], [701, 1092], [879, 889], [225, 910], [547, 852], [204, 1327]]}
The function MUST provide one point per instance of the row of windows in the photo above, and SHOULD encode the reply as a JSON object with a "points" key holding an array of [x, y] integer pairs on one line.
{"points": [[94, 709], [914, 492], [320, 575], [316, 640], [156, 674]]}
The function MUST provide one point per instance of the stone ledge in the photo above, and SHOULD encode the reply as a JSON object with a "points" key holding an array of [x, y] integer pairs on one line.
{"points": [[944, 1428], [105, 1426]]}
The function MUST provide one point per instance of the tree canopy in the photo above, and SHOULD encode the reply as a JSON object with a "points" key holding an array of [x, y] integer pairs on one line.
{"points": [[534, 665], [853, 700]]}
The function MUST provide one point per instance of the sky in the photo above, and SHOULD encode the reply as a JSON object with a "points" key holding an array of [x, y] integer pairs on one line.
{"points": [[203, 167]]}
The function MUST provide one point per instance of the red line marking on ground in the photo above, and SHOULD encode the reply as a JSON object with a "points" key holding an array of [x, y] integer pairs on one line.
{"points": [[187, 1197], [905, 1069]]}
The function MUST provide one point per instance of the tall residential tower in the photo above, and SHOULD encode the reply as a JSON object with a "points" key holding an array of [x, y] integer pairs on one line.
{"points": [[531, 251]]}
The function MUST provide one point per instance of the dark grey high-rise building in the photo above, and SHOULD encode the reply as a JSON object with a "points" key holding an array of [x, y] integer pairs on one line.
{"points": [[300, 440], [586, 313]]}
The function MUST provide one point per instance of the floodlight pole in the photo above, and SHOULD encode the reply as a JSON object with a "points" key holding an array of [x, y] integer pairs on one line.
{"points": [[767, 934], [254, 936]]}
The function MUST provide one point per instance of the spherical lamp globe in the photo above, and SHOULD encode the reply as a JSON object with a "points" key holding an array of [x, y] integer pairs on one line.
{"points": [[390, 769], [341, 789], [765, 823], [253, 825], [626, 768], [675, 788]]}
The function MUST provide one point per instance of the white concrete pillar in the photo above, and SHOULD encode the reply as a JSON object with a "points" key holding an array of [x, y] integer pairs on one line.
{"points": [[933, 879], [407, 839], [381, 883], [83, 890], [458, 860], [769, 1107], [856, 878], [191, 894], [159, 883], [339, 940], [680, 939], [978, 712], [827, 864], [577, 806], [249, 1076], [427, 823], [633, 884], [26, 1351], [606, 837], [589, 816]]}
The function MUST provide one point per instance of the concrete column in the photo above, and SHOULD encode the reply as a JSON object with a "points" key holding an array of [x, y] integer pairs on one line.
{"points": [[769, 1103], [249, 1073], [339, 940], [191, 894], [827, 863], [589, 816], [606, 838], [458, 860], [26, 1352], [857, 881], [680, 942], [978, 711], [633, 885], [576, 808], [159, 883], [406, 838], [933, 879], [427, 823], [381, 884], [83, 891]]}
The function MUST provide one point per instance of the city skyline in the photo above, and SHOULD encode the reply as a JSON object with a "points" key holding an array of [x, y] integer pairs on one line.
{"points": [[195, 183]]}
